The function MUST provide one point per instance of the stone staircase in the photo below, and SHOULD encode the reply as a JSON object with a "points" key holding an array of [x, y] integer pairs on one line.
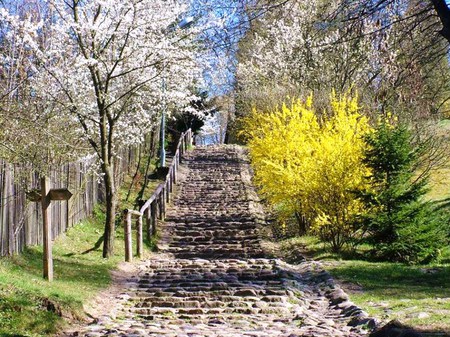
{"points": [[212, 278], [210, 218]]}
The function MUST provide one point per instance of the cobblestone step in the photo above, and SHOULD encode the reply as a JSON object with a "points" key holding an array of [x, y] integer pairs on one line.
{"points": [[212, 277]]}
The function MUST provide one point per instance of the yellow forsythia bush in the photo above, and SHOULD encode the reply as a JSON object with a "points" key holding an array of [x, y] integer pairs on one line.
{"points": [[310, 165]]}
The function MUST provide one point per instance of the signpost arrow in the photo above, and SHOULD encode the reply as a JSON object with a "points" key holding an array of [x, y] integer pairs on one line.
{"points": [[60, 194]]}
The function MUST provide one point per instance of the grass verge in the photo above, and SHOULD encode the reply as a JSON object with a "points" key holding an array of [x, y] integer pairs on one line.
{"points": [[31, 306], [418, 296]]}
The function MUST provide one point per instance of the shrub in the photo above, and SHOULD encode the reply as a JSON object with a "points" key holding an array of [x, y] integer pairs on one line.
{"points": [[308, 166], [398, 223]]}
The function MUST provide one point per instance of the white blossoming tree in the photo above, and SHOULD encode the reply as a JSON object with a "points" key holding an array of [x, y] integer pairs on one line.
{"points": [[304, 47], [290, 50], [101, 64], [26, 122]]}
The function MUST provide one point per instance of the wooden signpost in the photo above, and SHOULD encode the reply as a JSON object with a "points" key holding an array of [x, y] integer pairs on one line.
{"points": [[45, 196]]}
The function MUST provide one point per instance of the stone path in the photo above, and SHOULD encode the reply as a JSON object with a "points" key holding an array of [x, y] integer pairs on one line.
{"points": [[211, 278]]}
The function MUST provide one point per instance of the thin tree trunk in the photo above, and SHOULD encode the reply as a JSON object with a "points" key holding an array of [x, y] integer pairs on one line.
{"points": [[109, 179], [302, 224], [111, 206], [151, 155], [136, 172]]}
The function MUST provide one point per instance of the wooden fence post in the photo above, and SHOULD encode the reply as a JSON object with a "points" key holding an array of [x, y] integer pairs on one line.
{"points": [[9, 209], [166, 194], [148, 224], [169, 183], [127, 230], [182, 145], [176, 166], [153, 217], [161, 199], [164, 202], [174, 169], [139, 241], [47, 228]]}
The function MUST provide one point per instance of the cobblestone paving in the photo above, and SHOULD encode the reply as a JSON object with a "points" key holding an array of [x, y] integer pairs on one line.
{"points": [[211, 278]]}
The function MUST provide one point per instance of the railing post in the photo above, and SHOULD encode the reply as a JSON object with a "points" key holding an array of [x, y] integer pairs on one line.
{"points": [[189, 137], [153, 208], [163, 202], [148, 223], [127, 231], [170, 180], [161, 199], [162, 207], [182, 145], [175, 168], [139, 240], [167, 189]]}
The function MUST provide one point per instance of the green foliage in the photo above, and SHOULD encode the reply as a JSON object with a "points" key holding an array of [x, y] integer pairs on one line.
{"points": [[398, 223]]}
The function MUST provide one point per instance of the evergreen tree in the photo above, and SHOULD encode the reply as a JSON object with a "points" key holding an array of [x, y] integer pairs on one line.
{"points": [[400, 225]]}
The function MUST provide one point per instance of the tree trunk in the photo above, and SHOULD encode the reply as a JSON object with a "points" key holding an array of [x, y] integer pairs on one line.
{"points": [[111, 206], [442, 10], [302, 224], [106, 139]]}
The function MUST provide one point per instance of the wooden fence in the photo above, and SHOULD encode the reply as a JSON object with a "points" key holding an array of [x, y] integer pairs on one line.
{"points": [[154, 208], [21, 220]]}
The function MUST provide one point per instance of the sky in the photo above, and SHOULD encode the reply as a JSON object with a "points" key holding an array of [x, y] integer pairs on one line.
{"points": [[227, 23]]}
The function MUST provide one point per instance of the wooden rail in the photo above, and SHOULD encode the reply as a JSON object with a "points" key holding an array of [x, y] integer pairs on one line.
{"points": [[154, 208]]}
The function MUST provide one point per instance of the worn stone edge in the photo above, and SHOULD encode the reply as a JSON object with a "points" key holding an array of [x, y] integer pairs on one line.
{"points": [[255, 206], [338, 298]]}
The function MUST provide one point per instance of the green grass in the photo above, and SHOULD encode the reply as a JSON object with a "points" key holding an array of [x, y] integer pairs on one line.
{"points": [[439, 183], [418, 296], [440, 178], [31, 306], [25, 297]]}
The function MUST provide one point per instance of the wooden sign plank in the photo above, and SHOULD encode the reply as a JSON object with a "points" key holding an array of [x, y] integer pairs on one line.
{"points": [[56, 194], [34, 195], [60, 194]]}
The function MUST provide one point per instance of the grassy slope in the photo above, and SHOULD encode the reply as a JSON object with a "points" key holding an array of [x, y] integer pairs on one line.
{"points": [[416, 295], [440, 179], [25, 296], [80, 273]]}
